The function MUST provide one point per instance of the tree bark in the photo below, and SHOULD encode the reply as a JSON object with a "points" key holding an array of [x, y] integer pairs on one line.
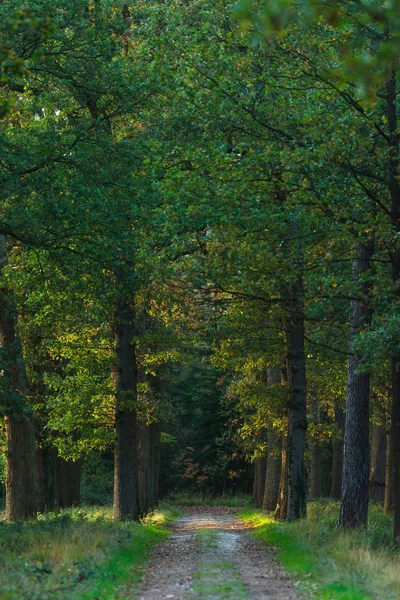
{"points": [[388, 504], [395, 447], [315, 453], [274, 453], [68, 478], [41, 480], [394, 187], [125, 505], [282, 503], [145, 467], [148, 437], [155, 447], [21, 470], [260, 465], [377, 475], [273, 471], [337, 454], [354, 500], [155, 439], [297, 422]]}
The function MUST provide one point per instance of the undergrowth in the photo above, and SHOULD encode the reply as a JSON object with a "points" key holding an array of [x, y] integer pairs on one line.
{"points": [[182, 499], [331, 564], [77, 554]]}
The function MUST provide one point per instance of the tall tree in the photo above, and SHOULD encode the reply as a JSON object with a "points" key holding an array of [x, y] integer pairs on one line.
{"points": [[20, 433]]}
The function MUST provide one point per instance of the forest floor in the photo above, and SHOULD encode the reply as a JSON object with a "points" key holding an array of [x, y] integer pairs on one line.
{"points": [[211, 555]]}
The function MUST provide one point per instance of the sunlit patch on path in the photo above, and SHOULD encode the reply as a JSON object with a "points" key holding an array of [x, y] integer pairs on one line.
{"points": [[212, 556]]}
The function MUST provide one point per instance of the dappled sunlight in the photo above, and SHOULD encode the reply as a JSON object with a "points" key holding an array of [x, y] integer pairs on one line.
{"points": [[200, 521]]}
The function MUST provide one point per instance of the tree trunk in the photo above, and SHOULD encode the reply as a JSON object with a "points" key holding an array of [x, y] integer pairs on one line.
{"points": [[395, 448], [337, 454], [394, 187], [388, 504], [149, 445], [155, 446], [273, 471], [125, 505], [260, 465], [71, 482], [157, 384], [21, 470], [377, 475], [145, 467], [315, 452], [67, 481], [297, 422], [354, 502], [282, 504], [46, 459], [41, 480], [274, 453]]}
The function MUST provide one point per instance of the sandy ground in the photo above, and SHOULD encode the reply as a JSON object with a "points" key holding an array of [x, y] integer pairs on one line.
{"points": [[211, 555]]}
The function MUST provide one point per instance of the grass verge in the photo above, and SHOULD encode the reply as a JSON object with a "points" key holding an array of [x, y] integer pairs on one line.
{"points": [[79, 554], [330, 564]]}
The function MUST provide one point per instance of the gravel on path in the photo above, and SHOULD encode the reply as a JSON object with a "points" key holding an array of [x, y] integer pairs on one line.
{"points": [[211, 556]]}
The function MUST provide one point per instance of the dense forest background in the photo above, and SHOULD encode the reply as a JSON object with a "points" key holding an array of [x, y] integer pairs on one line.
{"points": [[200, 253]]}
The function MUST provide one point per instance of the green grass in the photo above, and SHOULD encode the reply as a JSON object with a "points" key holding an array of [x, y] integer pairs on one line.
{"points": [[208, 538], [331, 564], [79, 554], [217, 579]]}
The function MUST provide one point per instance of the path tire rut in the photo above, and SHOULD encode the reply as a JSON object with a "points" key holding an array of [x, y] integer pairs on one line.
{"points": [[211, 555]]}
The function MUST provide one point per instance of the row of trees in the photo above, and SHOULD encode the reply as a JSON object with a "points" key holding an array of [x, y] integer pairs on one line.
{"points": [[176, 172]]}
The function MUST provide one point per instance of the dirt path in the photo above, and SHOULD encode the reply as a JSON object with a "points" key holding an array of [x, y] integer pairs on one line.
{"points": [[211, 555]]}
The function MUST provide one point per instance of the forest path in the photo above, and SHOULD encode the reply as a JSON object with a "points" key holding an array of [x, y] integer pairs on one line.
{"points": [[211, 555]]}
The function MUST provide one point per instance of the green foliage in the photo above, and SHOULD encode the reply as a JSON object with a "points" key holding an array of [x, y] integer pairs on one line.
{"points": [[193, 160], [97, 480], [207, 457]]}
